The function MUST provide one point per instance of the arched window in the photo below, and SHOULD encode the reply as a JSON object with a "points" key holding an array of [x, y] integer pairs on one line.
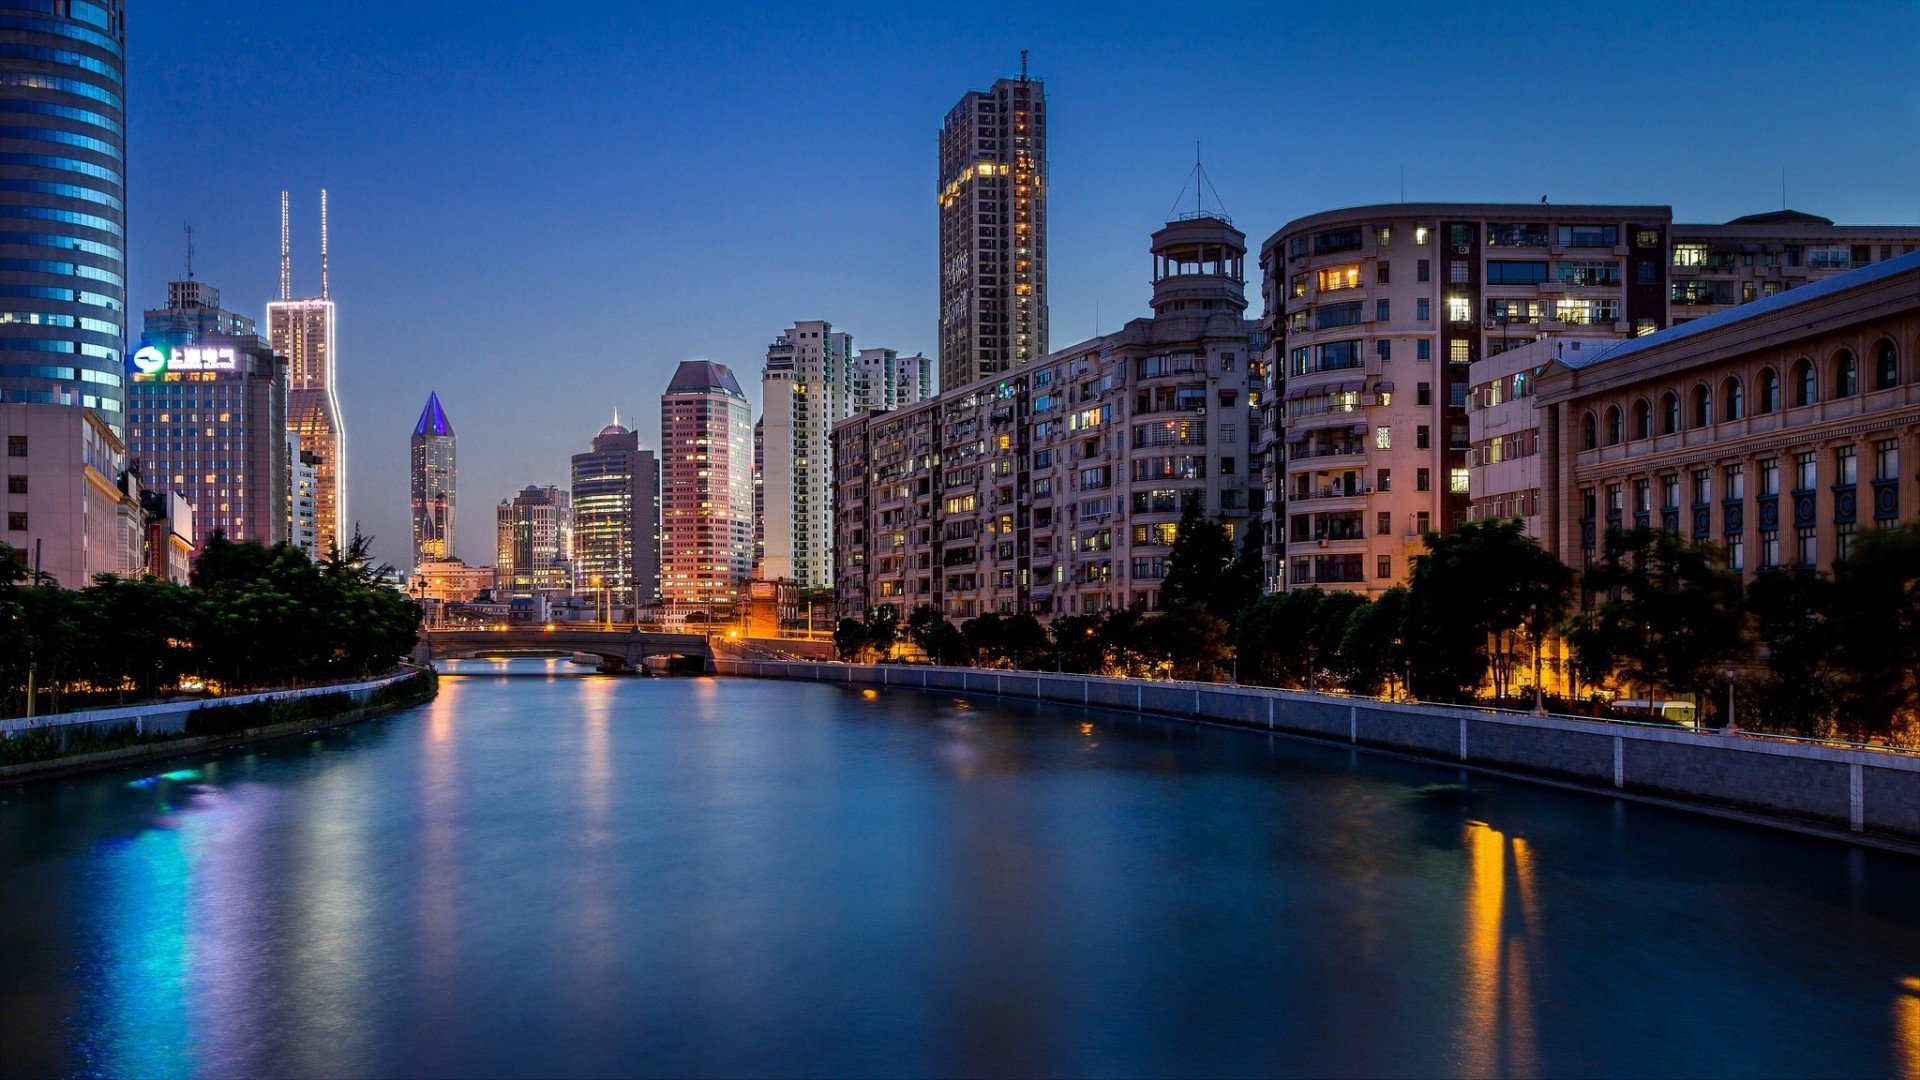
{"points": [[1769, 391], [1846, 375], [1669, 414], [1613, 425], [1642, 419], [1886, 366], [1702, 407], [1802, 383], [1589, 432], [1732, 400]]}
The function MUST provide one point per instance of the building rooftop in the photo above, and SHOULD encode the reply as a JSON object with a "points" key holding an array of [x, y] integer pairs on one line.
{"points": [[704, 376]]}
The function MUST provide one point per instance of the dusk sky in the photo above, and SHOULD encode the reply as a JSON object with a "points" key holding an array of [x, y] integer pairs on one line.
{"points": [[538, 211]]}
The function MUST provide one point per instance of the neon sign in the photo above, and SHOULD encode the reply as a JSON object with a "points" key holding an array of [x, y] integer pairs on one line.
{"points": [[150, 360]]}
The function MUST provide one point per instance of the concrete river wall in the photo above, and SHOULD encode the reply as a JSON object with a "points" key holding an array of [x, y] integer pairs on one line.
{"points": [[1868, 794]]}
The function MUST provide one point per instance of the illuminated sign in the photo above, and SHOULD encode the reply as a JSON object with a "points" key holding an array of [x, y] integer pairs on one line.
{"points": [[150, 360]]}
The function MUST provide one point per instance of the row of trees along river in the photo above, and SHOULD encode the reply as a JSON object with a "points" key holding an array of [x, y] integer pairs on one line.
{"points": [[252, 617], [1831, 654]]}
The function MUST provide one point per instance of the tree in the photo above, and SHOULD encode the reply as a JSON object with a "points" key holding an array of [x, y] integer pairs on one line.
{"points": [[1189, 643], [1793, 616], [849, 638], [1077, 646], [1023, 641], [1371, 647], [1477, 593], [883, 630], [1202, 568], [1877, 643], [1671, 617], [1272, 635]]}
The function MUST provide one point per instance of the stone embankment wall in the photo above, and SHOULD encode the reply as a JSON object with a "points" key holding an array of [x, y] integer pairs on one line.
{"points": [[1868, 793], [170, 717]]}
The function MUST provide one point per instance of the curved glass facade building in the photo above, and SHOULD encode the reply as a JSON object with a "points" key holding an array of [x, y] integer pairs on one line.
{"points": [[62, 209]]}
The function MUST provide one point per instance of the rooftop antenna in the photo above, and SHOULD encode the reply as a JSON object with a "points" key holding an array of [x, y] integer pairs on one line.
{"points": [[325, 293], [189, 229], [1783, 187], [1023, 65], [1403, 182], [286, 267]]}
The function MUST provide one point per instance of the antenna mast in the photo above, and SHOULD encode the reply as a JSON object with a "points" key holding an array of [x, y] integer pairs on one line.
{"points": [[189, 229], [325, 292], [1023, 65], [286, 267]]}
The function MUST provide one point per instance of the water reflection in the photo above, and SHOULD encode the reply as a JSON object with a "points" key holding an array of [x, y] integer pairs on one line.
{"points": [[1906, 1028], [1496, 1034]]}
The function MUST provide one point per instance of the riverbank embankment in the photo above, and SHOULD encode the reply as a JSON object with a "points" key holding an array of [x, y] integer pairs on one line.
{"points": [[61, 745], [1855, 794]]}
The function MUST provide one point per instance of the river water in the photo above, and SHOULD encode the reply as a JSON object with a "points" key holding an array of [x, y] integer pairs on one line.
{"points": [[588, 875]]}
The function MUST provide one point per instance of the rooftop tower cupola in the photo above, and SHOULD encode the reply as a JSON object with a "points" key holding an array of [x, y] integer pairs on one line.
{"points": [[1199, 265]]}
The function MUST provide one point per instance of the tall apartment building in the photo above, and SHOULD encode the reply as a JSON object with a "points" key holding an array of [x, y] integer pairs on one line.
{"points": [[207, 416], [62, 210], [806, 386], [302, 330], [616, 520], [1376, 315], [883, 379], [993, 230], [434, 473], [1057, 487], [71, 508], [533, 542], [706, 488]]}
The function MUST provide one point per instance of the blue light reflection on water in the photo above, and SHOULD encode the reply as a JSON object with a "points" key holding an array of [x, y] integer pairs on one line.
{"points": [[588, 875]]}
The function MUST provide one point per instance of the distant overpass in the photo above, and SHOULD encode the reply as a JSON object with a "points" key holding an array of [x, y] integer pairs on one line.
{"points": [[624, 649]]}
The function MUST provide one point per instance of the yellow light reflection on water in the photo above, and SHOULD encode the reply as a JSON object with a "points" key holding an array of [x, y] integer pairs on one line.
{"points": [[1496, 1036], [1906, 1028]]}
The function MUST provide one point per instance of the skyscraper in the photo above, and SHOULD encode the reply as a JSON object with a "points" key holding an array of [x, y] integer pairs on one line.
{"points": [[207, 416], [993, 230], [805, 388], [62, 218], [432, 448], [706, 487], [616, 520], [534, 542], [301, 330]]}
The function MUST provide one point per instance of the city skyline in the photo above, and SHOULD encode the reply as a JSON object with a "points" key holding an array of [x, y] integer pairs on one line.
{"points": [[432, 205]]}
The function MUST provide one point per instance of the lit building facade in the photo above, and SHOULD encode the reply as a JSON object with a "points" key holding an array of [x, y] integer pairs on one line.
{"points": [[303, 520], [616, 520], [533, 542], [1376, 316], [450, 581], [1777, 430], [706, 488], [207, 416], [993, 231], [71, 508], [883, 379], [806, 386], [434, 474], [1056, 488], [62, 211], [1718, 267], [1505, 477], [302, 330]]}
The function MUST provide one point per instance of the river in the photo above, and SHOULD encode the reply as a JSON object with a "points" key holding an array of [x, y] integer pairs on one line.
{"points": [[565, 874]]}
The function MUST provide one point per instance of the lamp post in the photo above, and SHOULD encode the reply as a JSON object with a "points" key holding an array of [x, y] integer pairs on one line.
{"points": [[1729, 727]]}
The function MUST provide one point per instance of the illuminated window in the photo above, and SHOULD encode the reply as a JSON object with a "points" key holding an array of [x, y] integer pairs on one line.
{"points": [[1689, 254], [1459, 309], [1339, 277]]}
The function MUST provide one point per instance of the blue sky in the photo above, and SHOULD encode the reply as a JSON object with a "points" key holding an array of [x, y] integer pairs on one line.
{"points": [[538, 211]]}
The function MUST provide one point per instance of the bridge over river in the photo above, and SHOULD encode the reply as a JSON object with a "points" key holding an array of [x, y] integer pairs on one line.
{"points": [[621, 648]]}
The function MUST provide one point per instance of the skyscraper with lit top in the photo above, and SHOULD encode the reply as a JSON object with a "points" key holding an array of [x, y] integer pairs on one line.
{"points": [[993, 230], [302, 330], [616, 520], [432, 451]]}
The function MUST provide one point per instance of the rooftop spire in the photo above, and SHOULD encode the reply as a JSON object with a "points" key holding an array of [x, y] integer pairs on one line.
{"points": [[433, 419], [286, 267], [325, 293]]}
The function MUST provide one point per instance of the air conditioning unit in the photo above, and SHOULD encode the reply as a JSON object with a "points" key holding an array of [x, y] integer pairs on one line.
{"points": [[1491, 324], [1461, 249]]}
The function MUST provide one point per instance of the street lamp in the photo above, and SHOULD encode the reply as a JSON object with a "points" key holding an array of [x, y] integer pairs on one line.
{"points": [[1729, 727]]}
